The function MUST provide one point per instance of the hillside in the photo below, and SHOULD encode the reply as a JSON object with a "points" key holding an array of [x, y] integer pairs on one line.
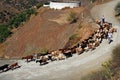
{"points": [[9, 8], [49, 29]]}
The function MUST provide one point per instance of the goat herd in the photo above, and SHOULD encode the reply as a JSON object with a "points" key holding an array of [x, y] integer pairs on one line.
{"points": [[90, 43]]}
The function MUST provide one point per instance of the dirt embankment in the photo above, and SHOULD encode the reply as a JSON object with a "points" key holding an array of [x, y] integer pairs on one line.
{"points": [[48, 30]]}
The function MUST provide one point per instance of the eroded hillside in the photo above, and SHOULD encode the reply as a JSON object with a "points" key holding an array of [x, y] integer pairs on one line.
{"points": [[50, 30]]}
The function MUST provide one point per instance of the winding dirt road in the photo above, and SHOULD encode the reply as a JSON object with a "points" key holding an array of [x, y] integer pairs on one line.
{"points": [[77, 66]]}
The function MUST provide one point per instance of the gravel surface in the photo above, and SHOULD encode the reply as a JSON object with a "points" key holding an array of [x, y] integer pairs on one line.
{"points": [[75, 67]]}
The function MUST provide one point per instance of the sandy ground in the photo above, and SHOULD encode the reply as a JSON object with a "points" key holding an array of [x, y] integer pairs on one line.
{"points": [[75, 67]]}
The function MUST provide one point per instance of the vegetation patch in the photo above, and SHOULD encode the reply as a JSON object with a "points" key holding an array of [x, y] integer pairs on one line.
{"points": [[72, 18], [117, 9], [39, 5], [116, 56], [20, 18], [15, 22], [21, 4], [4, 32], [73, 37], [110, 70], [10, 8], [44, 51]]}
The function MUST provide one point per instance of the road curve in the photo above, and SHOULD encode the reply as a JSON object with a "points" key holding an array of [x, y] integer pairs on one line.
{"points": [[77, 66]]}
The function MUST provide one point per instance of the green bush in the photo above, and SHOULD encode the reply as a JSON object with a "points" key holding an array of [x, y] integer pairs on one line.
{"points": [[20, 18], [4, 33], [72, 17], [116, 55], [43, 51], [15, 22], [39, 5], [73, 37], [117, 9]]}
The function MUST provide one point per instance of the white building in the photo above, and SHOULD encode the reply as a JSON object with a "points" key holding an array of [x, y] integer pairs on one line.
{"points": [[63, 4]]}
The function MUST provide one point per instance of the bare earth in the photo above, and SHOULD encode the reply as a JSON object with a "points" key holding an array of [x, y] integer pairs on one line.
{"points": [[77, 66], [47, 30]]}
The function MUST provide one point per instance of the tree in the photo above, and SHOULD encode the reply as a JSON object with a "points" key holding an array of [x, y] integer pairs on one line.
{"points": [[15, 22], [4, 33]]}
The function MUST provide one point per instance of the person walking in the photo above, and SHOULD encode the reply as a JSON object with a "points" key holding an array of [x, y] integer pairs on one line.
{"points": [[103, 19], [109, 37]]}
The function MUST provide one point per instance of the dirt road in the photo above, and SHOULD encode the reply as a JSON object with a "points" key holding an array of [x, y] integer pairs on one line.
{"points": [[77, 66]]}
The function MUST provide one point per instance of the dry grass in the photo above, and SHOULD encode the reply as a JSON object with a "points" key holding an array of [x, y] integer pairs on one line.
{"points": [[116, 55], [110, 70], [95, 76]]}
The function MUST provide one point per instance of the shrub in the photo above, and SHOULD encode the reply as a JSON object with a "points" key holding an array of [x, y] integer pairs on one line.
{"points": [[14, 22], [116, 55], [20, 18], [95, 76], [39, 5], [43, 51], [72, 17], [107, 68], [117, 9], [73, 37], [4, 33], [104, 74]]}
